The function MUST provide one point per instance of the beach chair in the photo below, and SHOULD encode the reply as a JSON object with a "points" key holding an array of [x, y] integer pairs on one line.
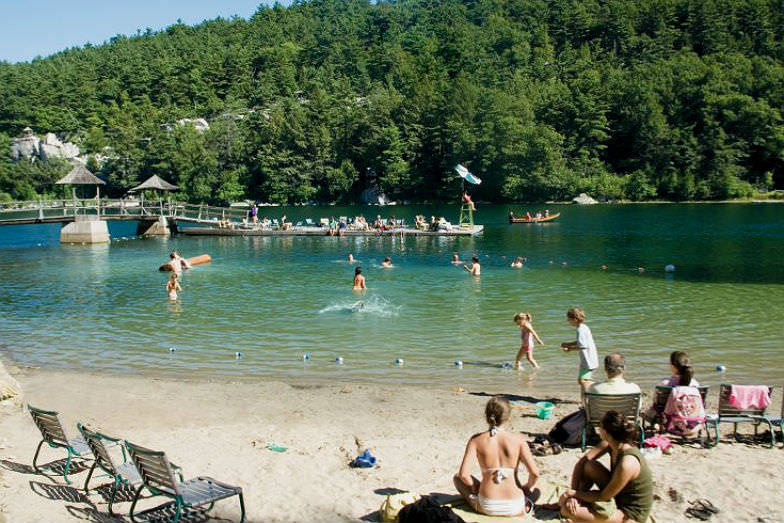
{"points": [[54, 435], [158, 477], [324, 222], [660, 396], [104, 449], [597, 405], [729, 414], [777, 421], [309, 222]]}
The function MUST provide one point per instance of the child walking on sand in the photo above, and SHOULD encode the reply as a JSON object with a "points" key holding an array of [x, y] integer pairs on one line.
{"points": [[528, 334], [589, 360]]}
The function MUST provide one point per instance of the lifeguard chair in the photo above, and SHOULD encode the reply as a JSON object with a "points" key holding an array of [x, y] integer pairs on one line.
{"points": [[466, 216]]}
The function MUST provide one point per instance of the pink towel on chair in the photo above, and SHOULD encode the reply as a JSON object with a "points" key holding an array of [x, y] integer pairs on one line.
{"points": [[743, 397]]}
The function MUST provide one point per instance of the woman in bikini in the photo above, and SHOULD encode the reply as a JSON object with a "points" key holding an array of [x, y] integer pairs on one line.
{"points": [[499, 454]]}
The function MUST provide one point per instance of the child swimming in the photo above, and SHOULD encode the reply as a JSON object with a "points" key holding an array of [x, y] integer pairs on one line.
{"points": [[528, 335]]}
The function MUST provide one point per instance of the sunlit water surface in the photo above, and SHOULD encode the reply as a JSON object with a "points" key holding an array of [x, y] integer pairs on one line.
{"points": [[104, 308]]}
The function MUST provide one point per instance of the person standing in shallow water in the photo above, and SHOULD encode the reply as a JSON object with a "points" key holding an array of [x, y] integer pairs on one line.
{"points": [[475, 269], [359, 280], [589, 359], [173, 286]]}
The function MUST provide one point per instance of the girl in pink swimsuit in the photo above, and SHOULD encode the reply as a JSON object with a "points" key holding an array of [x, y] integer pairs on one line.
{"points": [[528, 335]]}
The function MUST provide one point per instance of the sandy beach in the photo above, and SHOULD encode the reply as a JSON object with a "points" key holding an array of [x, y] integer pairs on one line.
{"points": [[220, 428]]}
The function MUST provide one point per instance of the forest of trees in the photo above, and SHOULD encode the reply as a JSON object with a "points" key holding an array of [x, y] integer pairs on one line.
{"points": [[542, 99]]}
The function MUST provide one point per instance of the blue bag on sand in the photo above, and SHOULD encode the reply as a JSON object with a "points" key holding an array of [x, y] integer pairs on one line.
{"points": [[364, 460]]}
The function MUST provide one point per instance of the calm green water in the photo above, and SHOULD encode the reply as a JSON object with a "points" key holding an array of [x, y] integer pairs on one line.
{"points": [[273, 299]]}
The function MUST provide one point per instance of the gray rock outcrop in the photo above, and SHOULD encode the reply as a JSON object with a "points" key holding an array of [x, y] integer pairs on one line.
{"points": [[583, 199], [200, 124], [9, 387], [30, 147]]}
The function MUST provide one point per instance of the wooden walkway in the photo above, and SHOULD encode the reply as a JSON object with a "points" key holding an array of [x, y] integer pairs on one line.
{"points": [[66, 210]]}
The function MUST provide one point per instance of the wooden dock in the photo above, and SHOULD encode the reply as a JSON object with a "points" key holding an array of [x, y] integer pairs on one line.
{"points": [[322, 231]]}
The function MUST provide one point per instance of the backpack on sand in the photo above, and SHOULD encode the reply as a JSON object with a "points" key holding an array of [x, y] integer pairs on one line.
{"points": [[568, 431], [684, 413], [427, 510]]}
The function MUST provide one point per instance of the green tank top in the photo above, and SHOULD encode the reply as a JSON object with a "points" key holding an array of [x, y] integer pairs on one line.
{"points": [[636, 498]]}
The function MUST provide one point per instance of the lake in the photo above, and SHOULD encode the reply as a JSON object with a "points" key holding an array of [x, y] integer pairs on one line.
{"points": [[273, 299]]}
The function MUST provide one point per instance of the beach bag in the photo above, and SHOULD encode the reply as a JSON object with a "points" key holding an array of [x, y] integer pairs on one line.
{"points": [[394, 503], [427, 510], [568, 431], [684, 413]]}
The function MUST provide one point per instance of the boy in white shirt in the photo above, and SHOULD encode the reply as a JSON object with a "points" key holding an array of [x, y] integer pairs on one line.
{"points": [[589, 359]]}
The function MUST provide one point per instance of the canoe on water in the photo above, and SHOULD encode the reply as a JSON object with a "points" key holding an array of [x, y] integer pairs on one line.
{"points": [[196, 260], [514, 219]]}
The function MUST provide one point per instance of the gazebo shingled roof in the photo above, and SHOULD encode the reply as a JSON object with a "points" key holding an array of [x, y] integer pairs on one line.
{"points": [[154, 182], [79, 175]]}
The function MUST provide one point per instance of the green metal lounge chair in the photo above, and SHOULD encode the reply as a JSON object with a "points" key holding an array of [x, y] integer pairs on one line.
{"points": [[123, 473], [660, 396], [777, 421], [597, 405], [158, 477], [54, 435], [729, 414]]}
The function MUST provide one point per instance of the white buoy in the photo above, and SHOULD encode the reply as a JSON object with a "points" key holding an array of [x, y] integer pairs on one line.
{"points": [[459, 364], [720, 368], [306, 356], [399, 361], [669, 268], [339, 360], [172, 349], [506, 365], [238, 355]]}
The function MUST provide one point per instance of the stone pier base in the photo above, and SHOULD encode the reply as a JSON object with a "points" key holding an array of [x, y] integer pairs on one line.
{"points": [[86, 229], [159, 227]]}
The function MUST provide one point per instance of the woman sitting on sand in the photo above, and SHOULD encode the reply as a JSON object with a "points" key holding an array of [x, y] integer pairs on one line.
{"points": [[629, 481], [499, 453]]}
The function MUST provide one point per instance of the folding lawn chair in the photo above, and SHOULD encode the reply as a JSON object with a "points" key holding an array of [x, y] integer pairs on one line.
{"points": [[597, 405], [158, 477], [730, 414], [772, 421], [123, 473], [54, 435]]}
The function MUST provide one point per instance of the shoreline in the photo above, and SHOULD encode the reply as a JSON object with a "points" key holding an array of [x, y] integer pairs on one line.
{"points": [[220, 428]]}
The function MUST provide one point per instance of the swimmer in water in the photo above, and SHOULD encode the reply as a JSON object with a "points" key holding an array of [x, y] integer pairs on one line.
{"points": [[172, 286], [350, 258], [387, 263], [518, 263], [475, 269], [359, 280], [455, 258], [604, 267]]}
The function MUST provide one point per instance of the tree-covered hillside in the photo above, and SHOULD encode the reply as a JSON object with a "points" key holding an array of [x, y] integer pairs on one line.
{"points": [[542, 99]]}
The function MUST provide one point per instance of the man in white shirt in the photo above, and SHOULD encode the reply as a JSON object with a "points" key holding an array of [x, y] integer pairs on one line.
{"points": [[614, 366]]}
